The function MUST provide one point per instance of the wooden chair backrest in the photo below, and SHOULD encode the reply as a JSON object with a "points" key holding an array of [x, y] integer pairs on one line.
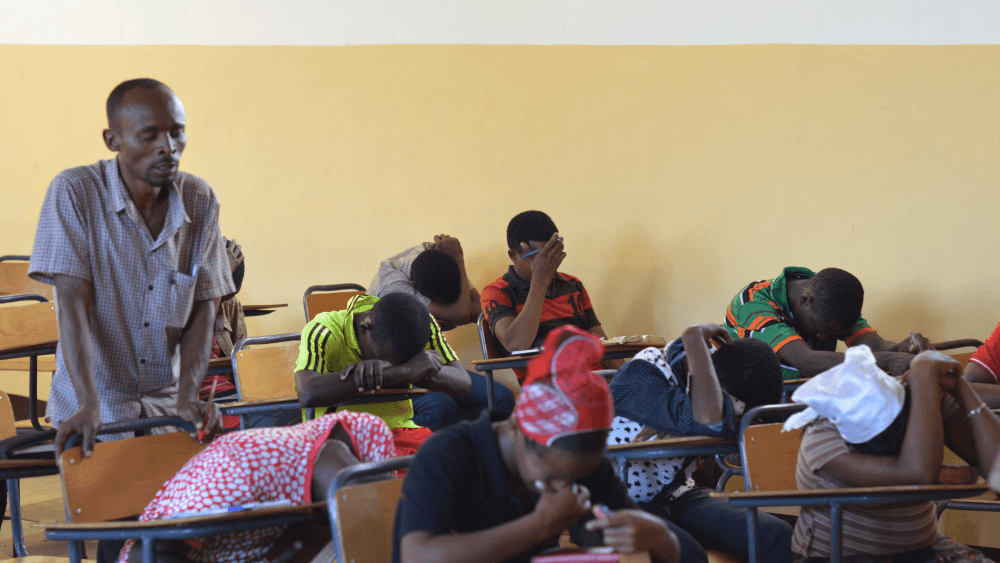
{"points": [[120, 479], [27, 325], [771, 456], [962, 358], [365, 516], [317, 303], [267, 372], [493, 347], [7, 429], [14, 280]]}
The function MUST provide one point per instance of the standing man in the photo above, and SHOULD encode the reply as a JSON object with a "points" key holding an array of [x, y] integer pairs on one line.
{"points": [[134, 250]]}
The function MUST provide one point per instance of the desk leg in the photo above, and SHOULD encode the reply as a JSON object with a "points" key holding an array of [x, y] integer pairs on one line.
{"points": [[33, 393], [16, 524], [753, 545], [490, 400], [836, 532]]}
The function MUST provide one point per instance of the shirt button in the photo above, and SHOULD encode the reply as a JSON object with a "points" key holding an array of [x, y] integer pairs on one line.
{"points": [[142, 361], [145, 324], [151, 288]]}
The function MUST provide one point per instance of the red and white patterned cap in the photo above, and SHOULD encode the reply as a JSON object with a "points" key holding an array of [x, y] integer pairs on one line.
{"points": [[578, 399]]}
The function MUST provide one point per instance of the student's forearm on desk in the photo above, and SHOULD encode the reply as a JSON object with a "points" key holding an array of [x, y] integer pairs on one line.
{"points": [[809, 362], [452, 380], [326, 389], [496, 544], [75, 337]]}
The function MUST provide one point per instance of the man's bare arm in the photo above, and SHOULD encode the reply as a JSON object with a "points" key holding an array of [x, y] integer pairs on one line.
{"points": [[809, 362], [452, 380], [73, 297], [196, 349]]}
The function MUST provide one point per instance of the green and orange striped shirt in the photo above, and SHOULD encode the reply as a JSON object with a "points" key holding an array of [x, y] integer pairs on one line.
{"points": [[760, 310]]}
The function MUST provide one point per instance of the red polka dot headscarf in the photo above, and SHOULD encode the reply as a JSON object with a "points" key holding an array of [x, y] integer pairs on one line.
{"points": [[578, 399]]}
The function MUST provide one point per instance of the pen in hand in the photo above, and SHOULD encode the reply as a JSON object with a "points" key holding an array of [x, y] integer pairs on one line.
{"points": [[913, 339], [535, 251], [211, 397]]}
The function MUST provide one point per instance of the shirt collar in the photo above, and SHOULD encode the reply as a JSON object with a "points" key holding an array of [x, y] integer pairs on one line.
{"points": [[120, 200]]}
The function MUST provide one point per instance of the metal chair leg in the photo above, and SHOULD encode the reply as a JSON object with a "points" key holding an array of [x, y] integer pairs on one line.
{"points": [[753, 546], [16, 526]]}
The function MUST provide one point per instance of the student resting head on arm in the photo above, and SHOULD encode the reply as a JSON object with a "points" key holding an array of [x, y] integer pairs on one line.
{"points": [[491, 492], [887, 432], [801, 315], [686, 389], [292, 464]]}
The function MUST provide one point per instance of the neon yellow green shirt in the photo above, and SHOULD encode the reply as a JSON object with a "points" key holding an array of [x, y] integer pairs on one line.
{"points": [[329, 344]]}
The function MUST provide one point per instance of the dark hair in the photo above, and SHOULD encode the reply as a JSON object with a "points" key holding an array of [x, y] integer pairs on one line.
{"points": [[115, 99], [400, 325], [890, 440], [838, 296], [750, 371], [437, 275], [592, 442], [238, 275], [529, 226]]}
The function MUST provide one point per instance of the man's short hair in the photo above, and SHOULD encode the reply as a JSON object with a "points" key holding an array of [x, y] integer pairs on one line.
{"points": [[401, 325], [437, 276], [584, 444], [838, 296], [238, 274], [529, 226], [750, 371], [115, 99]]}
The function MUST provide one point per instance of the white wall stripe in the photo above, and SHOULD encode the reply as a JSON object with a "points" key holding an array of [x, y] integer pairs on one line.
{"points": [[534, 22]]}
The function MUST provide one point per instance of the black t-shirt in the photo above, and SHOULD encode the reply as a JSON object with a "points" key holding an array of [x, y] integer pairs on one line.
{"points": [[458, 483]]}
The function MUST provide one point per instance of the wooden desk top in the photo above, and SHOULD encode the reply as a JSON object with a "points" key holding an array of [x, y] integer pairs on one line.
{"points": [[525, 357], [259, 307], [675, 441]]}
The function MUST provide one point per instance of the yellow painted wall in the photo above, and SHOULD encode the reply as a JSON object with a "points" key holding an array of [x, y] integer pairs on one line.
{"points": [[676, 174]]}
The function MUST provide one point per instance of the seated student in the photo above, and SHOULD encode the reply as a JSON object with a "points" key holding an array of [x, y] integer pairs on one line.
{"points": [[377, 344], [887, 433], [801, 315], [435, 275], [532, 298], [293, 464], [684, 390], [984, 365], [490, 492]]}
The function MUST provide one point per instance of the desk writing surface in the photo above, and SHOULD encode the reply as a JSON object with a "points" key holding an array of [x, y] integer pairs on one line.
{"points": [[611, 349]]}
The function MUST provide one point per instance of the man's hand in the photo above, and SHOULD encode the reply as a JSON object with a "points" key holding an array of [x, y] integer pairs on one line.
{"points": [[449, 245], [86, 422], [714, 334], [946, 369], [202, 414], [907, 346], [424, 364], [560, 507], [546, 261], [234, 253], [650, 433], [894, 363], [366, 374], [630, 531]]}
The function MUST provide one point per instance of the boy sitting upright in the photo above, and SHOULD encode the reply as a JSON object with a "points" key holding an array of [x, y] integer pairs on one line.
{"points": [[684, 390], [377, 344], [490, 492], [532, 298]]}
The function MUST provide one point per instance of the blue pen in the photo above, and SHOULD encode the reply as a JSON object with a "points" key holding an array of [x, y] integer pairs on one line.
{"points": [[535, 251]]}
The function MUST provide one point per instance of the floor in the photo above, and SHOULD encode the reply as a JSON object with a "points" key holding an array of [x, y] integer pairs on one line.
{"points": [[42, 502]]}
